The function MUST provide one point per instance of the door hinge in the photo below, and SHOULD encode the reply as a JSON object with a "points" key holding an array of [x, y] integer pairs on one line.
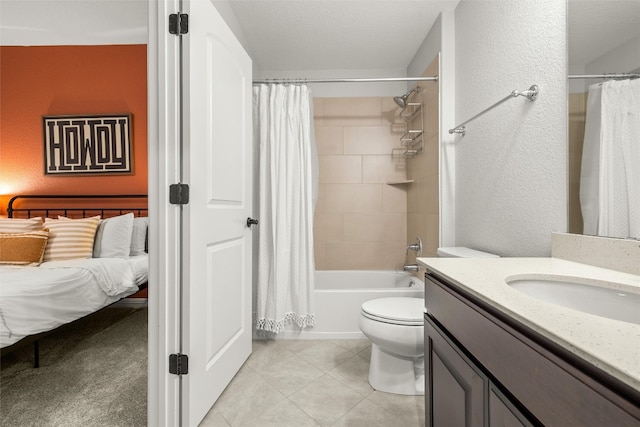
{"points": [[178, 364], [179, 194], [178, 23]]}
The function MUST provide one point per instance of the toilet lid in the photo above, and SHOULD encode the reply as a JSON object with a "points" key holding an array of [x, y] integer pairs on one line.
{"points": [[401, 310]]}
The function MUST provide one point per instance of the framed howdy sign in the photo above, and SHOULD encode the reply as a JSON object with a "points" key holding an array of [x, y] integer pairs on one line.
{"points": [[96, 144]]}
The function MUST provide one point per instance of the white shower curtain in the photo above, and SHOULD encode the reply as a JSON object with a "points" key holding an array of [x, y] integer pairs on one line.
{"points": [[610, 177], [283, 127]]}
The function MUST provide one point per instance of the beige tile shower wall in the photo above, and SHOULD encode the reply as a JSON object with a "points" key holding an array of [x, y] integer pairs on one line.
{"points": [[577, 111], [360, 221], [423, 194]]}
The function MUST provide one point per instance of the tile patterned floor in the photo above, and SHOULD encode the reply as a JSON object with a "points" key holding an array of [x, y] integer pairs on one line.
{"points": [[299, 383]]}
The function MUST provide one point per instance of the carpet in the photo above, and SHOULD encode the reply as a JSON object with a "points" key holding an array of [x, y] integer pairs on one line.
{"points": [[92, 373]]}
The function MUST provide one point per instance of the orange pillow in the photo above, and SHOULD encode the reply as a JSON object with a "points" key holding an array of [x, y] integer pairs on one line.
{"points": [[23, 248]]}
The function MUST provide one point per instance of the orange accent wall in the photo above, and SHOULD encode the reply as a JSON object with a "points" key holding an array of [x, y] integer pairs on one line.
{"points": [[68, 80]]}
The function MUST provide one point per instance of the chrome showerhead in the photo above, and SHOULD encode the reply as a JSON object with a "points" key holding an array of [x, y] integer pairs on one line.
{"points": [[402, 100]]}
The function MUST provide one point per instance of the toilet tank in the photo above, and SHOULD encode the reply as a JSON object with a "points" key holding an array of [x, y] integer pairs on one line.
{"points": [[462, 252]]}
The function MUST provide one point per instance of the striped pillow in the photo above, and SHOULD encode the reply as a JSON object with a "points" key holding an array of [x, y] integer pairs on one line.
{"points": [[70, 238], [17, 225], [23, 248]]}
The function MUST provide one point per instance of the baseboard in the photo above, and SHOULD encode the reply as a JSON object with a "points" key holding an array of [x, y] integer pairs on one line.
{"points": [[132, 302], [310, 335]]}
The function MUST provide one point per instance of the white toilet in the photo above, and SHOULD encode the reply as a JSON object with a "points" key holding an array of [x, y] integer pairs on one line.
{"points": [[395, 327]]}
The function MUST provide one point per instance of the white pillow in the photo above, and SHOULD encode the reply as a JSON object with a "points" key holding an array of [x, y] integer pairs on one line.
{"points": [[113, 238], [70, 238], [139, 236]]}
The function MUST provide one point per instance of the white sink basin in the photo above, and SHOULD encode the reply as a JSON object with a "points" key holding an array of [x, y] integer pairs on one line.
{"points": [[614, 301]]}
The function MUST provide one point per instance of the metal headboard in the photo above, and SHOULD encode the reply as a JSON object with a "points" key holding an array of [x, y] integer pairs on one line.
{"points": [[89, 205]]}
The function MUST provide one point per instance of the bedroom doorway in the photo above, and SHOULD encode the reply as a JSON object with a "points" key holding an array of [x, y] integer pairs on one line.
{"points": [[76, 29], [69, 22]]}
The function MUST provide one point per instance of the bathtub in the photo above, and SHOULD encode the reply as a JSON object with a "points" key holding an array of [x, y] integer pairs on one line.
{"points": [[339, 294]]}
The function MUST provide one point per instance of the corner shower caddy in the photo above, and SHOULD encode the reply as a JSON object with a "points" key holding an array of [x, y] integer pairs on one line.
{"points": [[411, 140]]}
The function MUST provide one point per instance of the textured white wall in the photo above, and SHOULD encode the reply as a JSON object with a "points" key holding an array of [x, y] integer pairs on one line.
{"points": [[511, 167], [429, 48], [441, 39], [447, 141]]}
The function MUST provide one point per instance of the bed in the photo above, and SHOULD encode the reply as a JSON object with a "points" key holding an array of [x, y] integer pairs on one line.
{"points": [[79, 272]]}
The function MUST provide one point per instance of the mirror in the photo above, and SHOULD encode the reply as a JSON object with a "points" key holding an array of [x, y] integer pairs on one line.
{"points": [[603, 37]]}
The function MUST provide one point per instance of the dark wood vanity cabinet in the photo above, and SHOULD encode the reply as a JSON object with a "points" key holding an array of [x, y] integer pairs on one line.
{"points": [[456, 388], [484, 368], [458, 392], [502, 412]]}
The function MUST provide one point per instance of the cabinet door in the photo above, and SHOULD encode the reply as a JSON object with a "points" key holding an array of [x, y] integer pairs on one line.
{"points": [[456, 389], [502, 413]]}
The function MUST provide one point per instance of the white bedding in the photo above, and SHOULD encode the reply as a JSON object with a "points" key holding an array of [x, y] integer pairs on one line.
{"points": [[38, 299]]}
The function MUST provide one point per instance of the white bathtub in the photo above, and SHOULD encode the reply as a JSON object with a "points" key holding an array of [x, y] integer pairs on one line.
{"points": [[339, 294]]}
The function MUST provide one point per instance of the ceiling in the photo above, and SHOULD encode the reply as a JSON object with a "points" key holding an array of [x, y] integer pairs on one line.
{"points": [[292, 35], [336, 34], [73, 22]]}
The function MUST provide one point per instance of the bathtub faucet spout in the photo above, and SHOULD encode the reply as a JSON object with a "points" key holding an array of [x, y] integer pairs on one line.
{"points": [[411, 267]]}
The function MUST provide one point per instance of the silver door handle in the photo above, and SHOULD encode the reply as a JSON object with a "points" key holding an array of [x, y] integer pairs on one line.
{"points": [[251, 221]]}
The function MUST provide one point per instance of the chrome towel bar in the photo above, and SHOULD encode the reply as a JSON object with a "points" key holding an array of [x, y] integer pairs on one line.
{"points": [[531, 94]]}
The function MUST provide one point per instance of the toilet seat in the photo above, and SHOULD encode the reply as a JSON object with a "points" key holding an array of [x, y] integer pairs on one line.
{"points": [[397, 311]]}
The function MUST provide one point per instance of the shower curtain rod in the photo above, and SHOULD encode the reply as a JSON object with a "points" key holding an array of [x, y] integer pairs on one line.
{"points": [[348, 80], [606, 76]]}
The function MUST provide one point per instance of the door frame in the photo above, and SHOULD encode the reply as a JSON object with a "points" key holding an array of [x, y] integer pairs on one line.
{"points": [[163, 405], [164, 402]]}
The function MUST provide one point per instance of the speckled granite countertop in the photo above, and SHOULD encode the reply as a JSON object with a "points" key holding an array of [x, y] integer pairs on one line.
{"points": [[611, 345]]}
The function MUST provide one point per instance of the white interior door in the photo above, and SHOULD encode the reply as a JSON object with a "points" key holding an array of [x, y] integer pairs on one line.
{"points": [[217, 244]]}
